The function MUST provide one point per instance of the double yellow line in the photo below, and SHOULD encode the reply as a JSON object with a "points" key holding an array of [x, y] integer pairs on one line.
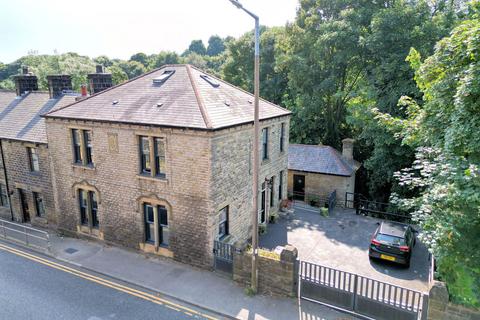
{"points": [[107, 283]]}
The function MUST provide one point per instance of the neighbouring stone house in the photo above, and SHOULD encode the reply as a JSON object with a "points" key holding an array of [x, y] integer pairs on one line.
{"points": [[163, 163], [317, 170], [26, 193]]}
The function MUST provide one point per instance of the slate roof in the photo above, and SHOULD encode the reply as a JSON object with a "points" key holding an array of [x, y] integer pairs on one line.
{"points": [[319, 159], [20, 116], [185, 100]]}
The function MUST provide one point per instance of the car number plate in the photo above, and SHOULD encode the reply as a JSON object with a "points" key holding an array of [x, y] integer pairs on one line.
{"points": [[385, 257]]}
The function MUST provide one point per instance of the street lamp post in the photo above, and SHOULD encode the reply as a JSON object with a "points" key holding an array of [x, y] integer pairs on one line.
{"points": [[256, 140]]}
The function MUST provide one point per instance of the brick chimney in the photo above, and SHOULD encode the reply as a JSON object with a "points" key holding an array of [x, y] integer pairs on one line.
{"points": [[58, 84], [100, 80], [25, 82], [347, 150]]}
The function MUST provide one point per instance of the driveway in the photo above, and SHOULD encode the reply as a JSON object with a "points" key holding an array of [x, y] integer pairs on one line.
{"points": [[341, 241]]}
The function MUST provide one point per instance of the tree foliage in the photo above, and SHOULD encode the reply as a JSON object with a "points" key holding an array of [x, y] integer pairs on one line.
{"points": [[215, 46], [239, 64], [197, 46], [446, 173]]}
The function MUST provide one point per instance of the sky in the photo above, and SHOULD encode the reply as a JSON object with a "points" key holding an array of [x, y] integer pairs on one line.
{"points": [[120, 28]]}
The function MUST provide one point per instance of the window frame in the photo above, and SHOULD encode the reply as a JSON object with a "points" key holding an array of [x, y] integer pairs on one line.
{"points": [[149, 238], [263, 205], [282, 137], [88, 208], [3, 196], [159, 155], [77, 146], [33, 159], [88, 147], [224, 223], [156, 157], [83, 207], [160, 225], [265, 144], [272, 191], [39, 204], [92, 196], [82, 147], [280, 185], [144, 160]]}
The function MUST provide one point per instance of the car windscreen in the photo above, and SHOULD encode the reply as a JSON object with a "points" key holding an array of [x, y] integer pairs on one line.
{"points": [[388, 239]]}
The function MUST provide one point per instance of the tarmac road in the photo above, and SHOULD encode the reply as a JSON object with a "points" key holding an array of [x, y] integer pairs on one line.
{"points": [[35, 287]]}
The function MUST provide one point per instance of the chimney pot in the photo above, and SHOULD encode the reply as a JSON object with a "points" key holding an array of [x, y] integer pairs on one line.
{"points": [[25, 82], [84, 90], [58, 84], [347, 150], [99, 81]]}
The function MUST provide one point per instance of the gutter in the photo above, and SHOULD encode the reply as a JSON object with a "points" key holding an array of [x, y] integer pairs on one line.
{"points": [[6, 180]]}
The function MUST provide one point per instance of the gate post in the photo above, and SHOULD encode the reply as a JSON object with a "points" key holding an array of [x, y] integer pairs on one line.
{"points": [[424, 306], [355, 280]]}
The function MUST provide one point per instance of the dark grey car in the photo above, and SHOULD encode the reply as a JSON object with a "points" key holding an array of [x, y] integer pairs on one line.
{"points": [[393, 241]]}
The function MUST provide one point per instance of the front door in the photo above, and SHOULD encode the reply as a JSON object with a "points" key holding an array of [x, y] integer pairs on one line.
{"points": [[24, 204], [299, 187]]}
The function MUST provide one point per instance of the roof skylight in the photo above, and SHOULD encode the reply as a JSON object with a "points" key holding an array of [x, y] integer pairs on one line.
{"points": [[163, 77], [214, 83]]}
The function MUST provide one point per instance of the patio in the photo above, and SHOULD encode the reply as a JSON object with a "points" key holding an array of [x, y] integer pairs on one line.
{"points": [[341, 241]]}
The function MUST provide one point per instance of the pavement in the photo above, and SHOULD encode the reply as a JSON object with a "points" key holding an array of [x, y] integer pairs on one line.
{"points": [[198, 287], [35, 290], [341, 241]]}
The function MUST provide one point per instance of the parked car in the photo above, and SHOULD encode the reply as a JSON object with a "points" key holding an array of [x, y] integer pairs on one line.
{"points": [[393, 241]]}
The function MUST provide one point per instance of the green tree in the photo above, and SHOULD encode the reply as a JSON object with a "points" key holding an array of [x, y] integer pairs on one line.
{"points": [[197, 46], [104, 61], [163, 58], [118, 75], [446, 173], [238, 66], [141, 58], [215, 46], [196, 60], [325, 60], [131, 68]]}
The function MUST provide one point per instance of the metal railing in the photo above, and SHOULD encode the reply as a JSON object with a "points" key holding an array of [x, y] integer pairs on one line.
{"points": [[309, 201], [382, 210], [332, 201], [359, 294], [25, 235]]}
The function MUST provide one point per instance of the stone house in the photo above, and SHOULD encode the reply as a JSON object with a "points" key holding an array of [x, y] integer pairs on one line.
{"points": [[163, 163], [26, 193], [318, 170]]}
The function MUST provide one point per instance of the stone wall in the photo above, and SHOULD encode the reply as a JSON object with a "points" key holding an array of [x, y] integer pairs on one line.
{"points": [[439, 307], [20, 177], [121, 189], [324, 184], [276, 276], [232, 168]]}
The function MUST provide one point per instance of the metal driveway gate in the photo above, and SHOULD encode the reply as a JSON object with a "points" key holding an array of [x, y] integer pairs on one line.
{"points": [[223, 257], [360, 295]]}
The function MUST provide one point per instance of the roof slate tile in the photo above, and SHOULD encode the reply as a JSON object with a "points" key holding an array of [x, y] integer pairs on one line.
{"points": [[188, 101], [319, 159]]}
